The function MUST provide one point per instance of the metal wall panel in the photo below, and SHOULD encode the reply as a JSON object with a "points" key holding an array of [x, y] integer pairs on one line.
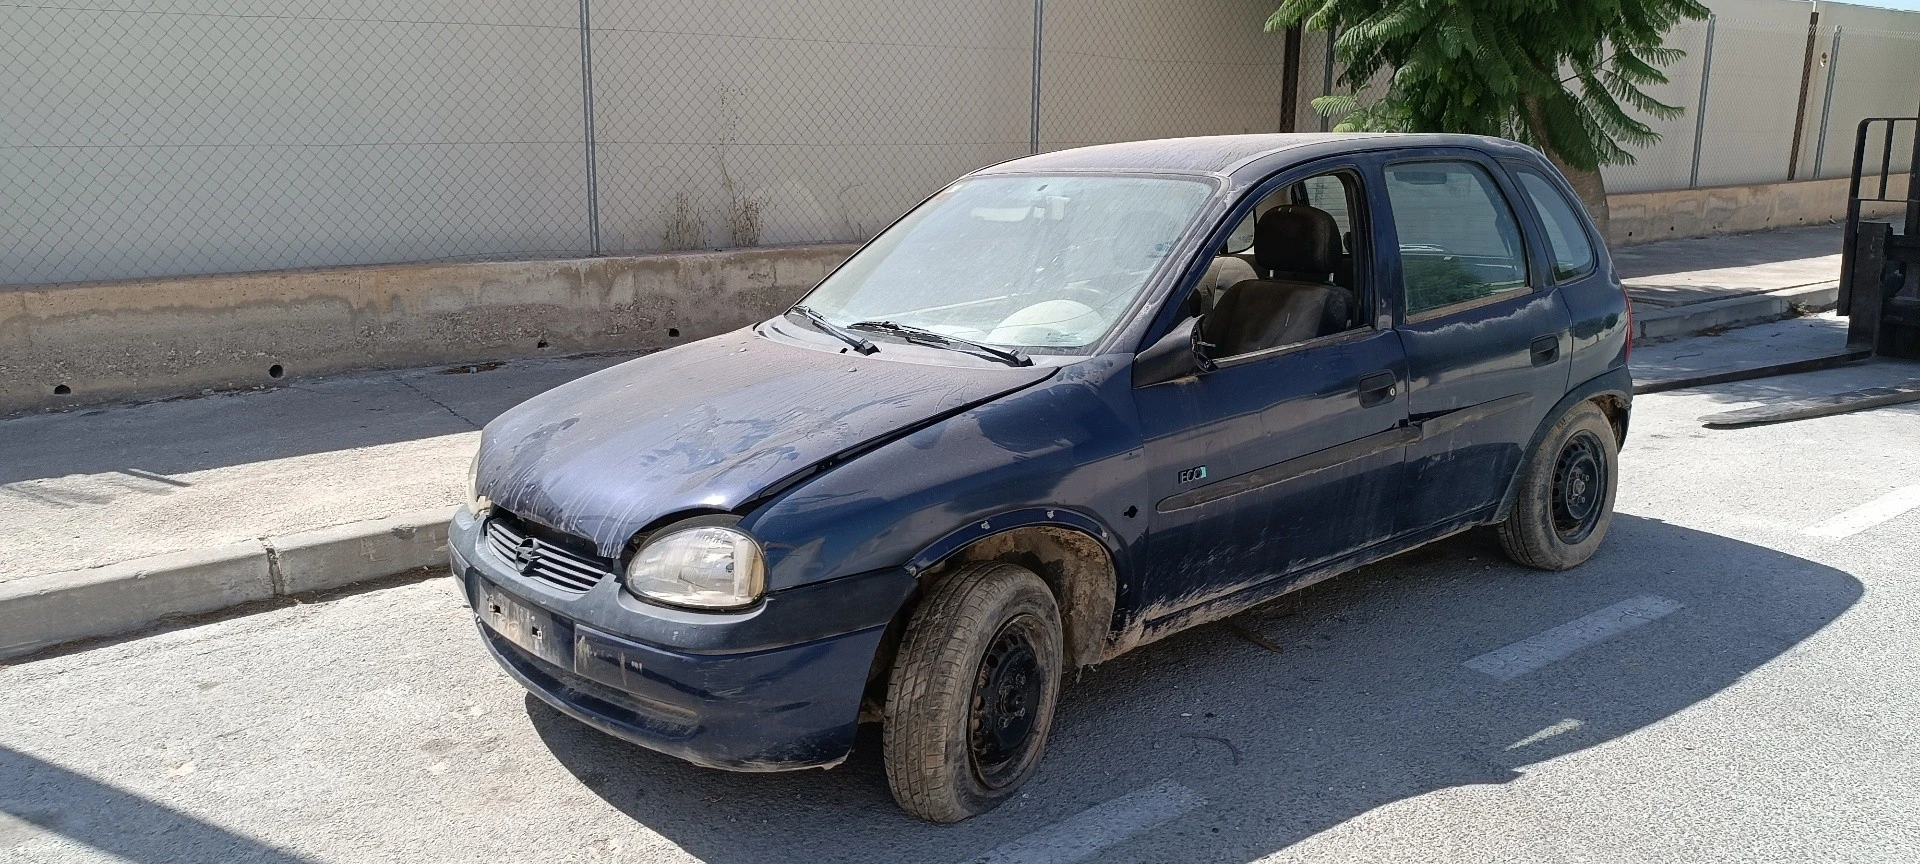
{"points": [[1758, 50], [165, 138], [735, 123], [1876, 74], [168, 137], [1121, 71], [1668, 164]]}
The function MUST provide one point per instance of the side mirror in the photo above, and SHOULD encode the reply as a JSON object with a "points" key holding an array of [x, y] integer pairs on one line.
{"points": [[1177, 355]]}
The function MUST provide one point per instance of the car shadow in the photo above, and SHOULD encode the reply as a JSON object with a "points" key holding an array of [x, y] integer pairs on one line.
{"points": [[1365, 703], [40, 801]]}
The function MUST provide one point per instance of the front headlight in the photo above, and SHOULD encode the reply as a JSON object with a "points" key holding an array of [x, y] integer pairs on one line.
{"points": [[706, 567], [477, 504]]}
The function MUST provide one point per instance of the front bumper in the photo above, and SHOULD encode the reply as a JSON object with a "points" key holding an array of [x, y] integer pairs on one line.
{"points": [[771, 688]]}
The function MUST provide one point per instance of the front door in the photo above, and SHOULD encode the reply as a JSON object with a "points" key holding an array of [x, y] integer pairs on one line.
{"points": [[1486, 335], [1285, 455]]}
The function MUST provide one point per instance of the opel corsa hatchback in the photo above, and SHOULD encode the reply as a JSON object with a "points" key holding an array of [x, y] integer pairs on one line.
{"points": [[1067, 406]]}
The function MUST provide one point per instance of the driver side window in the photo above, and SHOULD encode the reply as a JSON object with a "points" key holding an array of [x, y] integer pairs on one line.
{"points": [[1286, 274]]}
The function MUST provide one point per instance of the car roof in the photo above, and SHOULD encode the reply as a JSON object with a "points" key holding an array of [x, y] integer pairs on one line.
{"points": [[1225, 154]]}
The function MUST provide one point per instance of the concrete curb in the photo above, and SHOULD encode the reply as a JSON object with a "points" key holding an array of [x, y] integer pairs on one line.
{"points": [[38, 612], [1735, 311]]}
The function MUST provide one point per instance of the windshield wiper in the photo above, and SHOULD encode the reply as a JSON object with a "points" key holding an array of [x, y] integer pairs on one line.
{"points": [[860, 343], [923, 336]]}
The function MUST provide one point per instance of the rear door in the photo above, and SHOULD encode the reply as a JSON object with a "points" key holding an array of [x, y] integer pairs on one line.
{"points": [[1485, 334]]}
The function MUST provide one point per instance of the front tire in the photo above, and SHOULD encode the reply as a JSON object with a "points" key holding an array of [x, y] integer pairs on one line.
{"points": [[1566, 496], [972, 693]]}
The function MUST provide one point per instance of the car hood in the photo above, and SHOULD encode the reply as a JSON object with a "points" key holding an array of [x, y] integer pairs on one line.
{"points": [[708, 426]]}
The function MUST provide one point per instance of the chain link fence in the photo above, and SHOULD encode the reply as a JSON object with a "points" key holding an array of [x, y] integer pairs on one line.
{"points": [[166, 137], [148, 138], [197, 136]]}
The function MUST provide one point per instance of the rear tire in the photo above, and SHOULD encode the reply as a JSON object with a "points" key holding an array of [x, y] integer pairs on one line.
{"points": [[1566, 495], [972, 693]]}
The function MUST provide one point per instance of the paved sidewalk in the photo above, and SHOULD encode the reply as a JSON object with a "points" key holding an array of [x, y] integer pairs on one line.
{"points": [[1683, 287], [243, 496], [1676, 273]]}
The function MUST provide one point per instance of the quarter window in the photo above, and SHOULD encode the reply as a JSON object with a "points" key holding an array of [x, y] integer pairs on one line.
{"points": [[1459, 241], [1566, 236]]}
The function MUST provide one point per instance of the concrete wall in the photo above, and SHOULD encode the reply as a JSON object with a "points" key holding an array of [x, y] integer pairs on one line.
{"points": [[1647, 217], [115, 340]]}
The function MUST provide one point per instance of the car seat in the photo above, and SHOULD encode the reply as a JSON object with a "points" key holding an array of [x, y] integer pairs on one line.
{"points": [[1299, 248]]}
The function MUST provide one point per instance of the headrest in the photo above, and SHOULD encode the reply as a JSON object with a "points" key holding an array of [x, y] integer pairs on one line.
{"points": [[1298, 240]]}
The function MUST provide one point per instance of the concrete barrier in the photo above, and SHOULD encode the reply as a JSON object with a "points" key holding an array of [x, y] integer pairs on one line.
{"points": [[1648, 217], [63, 345]]}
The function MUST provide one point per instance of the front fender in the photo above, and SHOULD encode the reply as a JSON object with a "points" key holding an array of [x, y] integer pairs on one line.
{"points": [[1070, 445]]}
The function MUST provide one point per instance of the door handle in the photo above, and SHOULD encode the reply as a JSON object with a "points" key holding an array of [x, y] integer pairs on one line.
{"points": [[1545, 349], [1377, 388]]}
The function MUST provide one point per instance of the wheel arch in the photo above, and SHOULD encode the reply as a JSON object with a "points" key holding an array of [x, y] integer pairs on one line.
{"points": [[1076, 554], [1611, 391]]}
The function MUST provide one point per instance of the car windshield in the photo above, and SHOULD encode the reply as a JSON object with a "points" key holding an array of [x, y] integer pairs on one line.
{"points": [[1046, 264]]}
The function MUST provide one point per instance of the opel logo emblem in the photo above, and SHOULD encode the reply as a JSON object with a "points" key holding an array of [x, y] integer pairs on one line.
{"points": [[523, 555]]}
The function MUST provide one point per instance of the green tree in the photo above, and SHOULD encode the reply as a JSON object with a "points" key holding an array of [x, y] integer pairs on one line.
{"points": [[1565, 76]]}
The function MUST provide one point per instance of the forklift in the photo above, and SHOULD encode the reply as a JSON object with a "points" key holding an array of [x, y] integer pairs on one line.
{"points": [[1879, 267]]}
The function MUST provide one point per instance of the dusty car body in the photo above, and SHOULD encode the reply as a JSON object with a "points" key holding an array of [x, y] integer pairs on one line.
{"points": [[1304, 353]]}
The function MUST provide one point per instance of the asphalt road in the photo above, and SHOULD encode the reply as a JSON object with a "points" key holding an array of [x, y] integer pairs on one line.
{"points": [[1718, 684]]}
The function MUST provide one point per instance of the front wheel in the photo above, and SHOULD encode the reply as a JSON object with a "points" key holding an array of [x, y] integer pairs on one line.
{"points": [[1566, 495], [972, 692]]}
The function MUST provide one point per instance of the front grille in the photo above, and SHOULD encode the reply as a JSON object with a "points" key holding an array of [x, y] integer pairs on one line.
{"points": [[543, 559]]}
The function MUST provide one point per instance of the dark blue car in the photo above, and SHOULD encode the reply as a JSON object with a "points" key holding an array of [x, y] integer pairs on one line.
{"points": [[1068, 405]]}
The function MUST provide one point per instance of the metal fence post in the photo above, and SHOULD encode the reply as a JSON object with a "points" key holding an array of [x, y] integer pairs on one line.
{"points": [[586, 120], [1806, 86], [1039, 27], [1700, 112], [1290, 81], [1826, 107], [1326, 86]]}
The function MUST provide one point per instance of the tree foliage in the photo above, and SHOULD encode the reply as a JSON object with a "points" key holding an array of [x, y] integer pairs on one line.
{"points": [[1566, 76]]}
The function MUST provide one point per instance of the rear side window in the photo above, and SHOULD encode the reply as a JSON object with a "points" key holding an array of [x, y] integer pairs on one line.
{"points": [[1572, 253], [1459, 241]]}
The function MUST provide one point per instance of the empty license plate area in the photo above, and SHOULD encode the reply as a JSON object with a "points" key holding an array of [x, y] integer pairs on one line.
{"points": [[526, 625]]}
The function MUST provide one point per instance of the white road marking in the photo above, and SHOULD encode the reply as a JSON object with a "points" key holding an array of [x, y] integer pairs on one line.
{"points": [[1539, 650], [1560, 728], [1869, 514], [1098, 827]]}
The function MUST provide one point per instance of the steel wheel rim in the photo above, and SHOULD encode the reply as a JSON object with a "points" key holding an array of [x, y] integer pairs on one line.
{"points": [[1005, 705], [1579, 487]]}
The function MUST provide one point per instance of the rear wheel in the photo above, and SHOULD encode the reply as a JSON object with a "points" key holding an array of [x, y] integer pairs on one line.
{"points": [[972, 693], [1566, 497]]}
